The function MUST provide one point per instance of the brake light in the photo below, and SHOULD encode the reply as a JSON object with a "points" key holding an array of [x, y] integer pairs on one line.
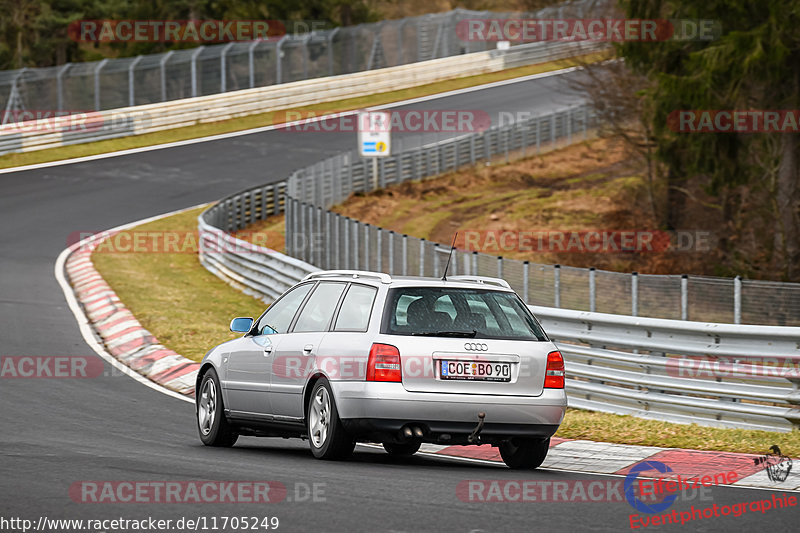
{"points": [[554, 375], [384, 363]]}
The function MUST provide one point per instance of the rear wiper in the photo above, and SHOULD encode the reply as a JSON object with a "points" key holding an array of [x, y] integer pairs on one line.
{"points": [[465, 334]]}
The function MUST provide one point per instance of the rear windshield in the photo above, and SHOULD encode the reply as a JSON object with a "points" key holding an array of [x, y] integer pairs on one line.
{"points": [[451, 312]]}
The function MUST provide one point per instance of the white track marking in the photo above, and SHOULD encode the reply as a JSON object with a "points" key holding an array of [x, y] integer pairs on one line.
{"points": [[288, 124], [83, 321]]}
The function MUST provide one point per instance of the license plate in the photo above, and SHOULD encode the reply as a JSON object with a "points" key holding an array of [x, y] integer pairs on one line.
{"points": [[475, 371]]}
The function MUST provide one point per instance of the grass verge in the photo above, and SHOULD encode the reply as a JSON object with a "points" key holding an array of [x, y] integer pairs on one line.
{"points": [[266, 119], [188, 310]]}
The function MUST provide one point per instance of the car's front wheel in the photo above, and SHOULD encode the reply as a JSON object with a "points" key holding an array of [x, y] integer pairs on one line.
{"points": [[524, 454], [212, 425], [326, 435]]}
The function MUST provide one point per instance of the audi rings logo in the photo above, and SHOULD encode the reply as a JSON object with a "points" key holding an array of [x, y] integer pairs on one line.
{"points": [[476, 346]]}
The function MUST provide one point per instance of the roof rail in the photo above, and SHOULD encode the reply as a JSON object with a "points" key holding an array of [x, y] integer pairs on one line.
{"points": [[355, 274], [481, 279]]}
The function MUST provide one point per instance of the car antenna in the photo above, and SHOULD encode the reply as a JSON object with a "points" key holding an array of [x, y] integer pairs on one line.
{"points": [[449, 257]]}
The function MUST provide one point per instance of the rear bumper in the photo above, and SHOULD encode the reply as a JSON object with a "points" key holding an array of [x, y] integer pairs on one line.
{"points": [[368, 407]]}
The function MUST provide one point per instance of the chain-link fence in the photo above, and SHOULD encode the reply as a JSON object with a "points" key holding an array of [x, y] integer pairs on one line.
{"points": [[146, 79]]}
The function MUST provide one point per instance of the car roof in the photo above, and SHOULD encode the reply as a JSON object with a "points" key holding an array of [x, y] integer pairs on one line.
{"points": [[378, 278]]}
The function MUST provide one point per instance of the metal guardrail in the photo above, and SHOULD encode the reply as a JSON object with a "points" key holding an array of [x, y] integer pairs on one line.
{"points": [[36, 135]]}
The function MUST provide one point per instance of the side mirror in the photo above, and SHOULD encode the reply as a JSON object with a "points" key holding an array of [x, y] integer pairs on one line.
{"points": [[241, 324]]}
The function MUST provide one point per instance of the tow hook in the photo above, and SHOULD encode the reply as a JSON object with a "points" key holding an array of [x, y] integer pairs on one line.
{"points": [[474, 437]]}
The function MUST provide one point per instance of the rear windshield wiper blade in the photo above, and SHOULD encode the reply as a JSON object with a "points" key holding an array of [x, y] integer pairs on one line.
{"points": [[465, 334]]}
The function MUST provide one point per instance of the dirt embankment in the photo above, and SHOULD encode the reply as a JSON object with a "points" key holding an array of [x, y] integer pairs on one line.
{"points": [[583, 205]]}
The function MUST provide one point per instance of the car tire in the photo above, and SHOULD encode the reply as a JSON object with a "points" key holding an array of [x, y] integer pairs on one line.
{"points": [[213, 427], [524, 454], [326, 434], [404, 449]]}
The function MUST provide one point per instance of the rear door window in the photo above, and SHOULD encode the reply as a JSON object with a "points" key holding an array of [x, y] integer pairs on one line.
{"points": [[356, 308], [318, 310]]}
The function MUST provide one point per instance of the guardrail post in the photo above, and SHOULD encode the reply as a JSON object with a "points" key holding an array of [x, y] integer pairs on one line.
{"points": [[330, 50], [97, 70], [337, 236], [436, 260], [475, 263], [557, 285], [305, 55], [422, 257], [684, 297], [366, 246], [251, 64], [737, 300], [162, 65], [592, 290], [309, 231], [279, 60], [287, 235], [355, 244], [295, 222], [525, 281], [60, 86], [634, 294], [569, 125], [346, 242], [500, 266], [467, 256], [391, 252], [472, 149], [194, 69], [328, 240], [223, 82], [538, 135], [379, 251], [316, 239], [404, 252], [131, 85]]}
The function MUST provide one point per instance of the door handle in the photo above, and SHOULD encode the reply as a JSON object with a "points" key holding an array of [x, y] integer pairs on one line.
{"points": [[267, 350], [307, 349]]}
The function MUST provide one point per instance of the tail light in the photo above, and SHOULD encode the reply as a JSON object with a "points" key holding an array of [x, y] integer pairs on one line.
{"points": [[554, 375], [384, 363]]}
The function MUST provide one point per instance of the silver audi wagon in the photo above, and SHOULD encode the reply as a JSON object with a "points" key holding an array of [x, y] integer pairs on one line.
{"points": [[349, 356]]}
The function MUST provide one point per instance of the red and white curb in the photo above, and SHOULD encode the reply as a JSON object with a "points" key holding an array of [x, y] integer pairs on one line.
{"points": [[618, 459], [112, 330]]}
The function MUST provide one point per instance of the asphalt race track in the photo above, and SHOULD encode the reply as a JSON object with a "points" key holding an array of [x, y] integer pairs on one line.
{"points": [[56, 432]]}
